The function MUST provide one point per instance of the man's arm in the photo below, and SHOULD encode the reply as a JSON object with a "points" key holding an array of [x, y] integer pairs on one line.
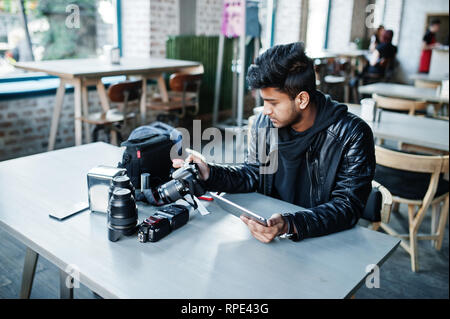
{"points": [[349, 196]]}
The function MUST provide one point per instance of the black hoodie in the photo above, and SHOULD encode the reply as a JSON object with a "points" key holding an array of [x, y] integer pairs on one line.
{"points": [[291, 177]]}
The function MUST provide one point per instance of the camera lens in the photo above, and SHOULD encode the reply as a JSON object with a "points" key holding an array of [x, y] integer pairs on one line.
{"points": [[122, 214], [172, 191], [121, 182]]}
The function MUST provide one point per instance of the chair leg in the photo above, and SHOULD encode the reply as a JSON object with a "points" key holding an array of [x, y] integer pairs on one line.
{"points": [[442, 223], [412, 238], [434, 217], [413, 247], [395, 207]]}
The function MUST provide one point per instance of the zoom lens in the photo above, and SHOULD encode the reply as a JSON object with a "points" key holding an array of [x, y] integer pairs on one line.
{"points": [[121, 182], [122, 214], [172, 191]]}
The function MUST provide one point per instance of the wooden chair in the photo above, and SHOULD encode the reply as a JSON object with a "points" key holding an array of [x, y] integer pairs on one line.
{"points": [[403, 105], [115, 121], [426, 84], [437, 106], [184, 94], [407, 177]]}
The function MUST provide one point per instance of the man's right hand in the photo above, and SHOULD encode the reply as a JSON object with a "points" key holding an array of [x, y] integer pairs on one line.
{"points": [[202, 165]]}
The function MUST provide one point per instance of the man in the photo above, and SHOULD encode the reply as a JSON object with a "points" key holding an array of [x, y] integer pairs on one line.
{"points": [[326, 159]]}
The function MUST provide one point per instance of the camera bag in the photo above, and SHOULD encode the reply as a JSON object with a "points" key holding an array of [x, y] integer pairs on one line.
{"points": [[148, 151]]}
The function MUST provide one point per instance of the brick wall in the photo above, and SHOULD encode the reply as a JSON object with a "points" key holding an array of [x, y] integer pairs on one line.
{"points": [[393, 17], [208, 17], [287, 21], [164, 21], [317, 23], [136, 28], [25, 124], [340, 24]]}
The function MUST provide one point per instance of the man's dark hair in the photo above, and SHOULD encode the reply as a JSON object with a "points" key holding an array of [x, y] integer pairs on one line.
{"points": [[387, 36], [435, 21], [286, 68]]}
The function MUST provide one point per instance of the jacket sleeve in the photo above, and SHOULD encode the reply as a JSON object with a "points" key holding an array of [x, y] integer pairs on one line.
{"points": [[242, 178], [353, 184]]}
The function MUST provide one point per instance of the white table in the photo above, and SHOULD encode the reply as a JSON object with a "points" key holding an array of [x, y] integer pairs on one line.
{"points": [[84, 72], [403, 92], [213, 256], [415, 130], [428, 78]]}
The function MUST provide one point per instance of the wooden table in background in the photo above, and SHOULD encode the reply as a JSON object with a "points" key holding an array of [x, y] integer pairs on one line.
{"points": [[82, 73]]}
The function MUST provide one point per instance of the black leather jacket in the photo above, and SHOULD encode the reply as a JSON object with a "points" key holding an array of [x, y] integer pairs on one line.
{"points": [[341, 164]]}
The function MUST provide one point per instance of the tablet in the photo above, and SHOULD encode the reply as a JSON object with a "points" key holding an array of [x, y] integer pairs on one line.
{"points": [[254, 205], [238, 210]]}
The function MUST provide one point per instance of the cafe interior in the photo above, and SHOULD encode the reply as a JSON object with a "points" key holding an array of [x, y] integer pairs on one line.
{"points": [[81, 81]]}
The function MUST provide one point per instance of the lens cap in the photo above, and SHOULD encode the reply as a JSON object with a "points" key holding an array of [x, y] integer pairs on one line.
{"points": [[122, 193], [121, 181]]}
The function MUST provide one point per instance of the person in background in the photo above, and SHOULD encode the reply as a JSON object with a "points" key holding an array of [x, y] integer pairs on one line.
{"points": [[383, 55], [375, 40], [429, 43]]}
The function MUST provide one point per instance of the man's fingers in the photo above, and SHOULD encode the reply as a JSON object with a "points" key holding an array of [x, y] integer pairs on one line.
{"points": [[244, 219], [177, 163]]}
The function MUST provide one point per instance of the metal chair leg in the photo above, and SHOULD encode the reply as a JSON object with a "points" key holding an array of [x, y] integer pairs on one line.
{"points": [[29, 270]]}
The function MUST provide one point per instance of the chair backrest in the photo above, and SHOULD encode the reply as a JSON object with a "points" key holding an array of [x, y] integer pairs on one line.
{"points": [[396, 104], [426, 84], [188, 79], [117, 92], [434, 165], [180, 82]]}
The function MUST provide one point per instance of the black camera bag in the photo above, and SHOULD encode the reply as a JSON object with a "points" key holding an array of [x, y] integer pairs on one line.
{"points": [[148, 151]]}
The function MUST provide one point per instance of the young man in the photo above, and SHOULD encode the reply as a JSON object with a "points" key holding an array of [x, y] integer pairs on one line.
{"points": [[326, 159]]}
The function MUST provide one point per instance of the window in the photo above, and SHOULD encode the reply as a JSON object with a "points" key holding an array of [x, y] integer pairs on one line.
{"points": [[58, 29]]}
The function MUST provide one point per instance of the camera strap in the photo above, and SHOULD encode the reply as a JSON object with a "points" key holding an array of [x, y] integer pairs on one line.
{"points": [[148, 194], [194, 203]]}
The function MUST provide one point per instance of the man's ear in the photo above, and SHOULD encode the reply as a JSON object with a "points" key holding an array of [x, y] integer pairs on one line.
{"points": [[302, 100]]}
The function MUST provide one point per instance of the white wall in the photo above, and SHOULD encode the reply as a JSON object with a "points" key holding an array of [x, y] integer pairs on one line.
{"points": [[340, 24], [287, 21], [136, 28]]}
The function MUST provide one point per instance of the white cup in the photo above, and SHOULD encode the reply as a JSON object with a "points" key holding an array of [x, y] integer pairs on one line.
{"points": [[368, 110]]}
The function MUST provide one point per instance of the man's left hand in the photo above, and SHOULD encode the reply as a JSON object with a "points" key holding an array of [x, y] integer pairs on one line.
{"points": [[276, 225]]}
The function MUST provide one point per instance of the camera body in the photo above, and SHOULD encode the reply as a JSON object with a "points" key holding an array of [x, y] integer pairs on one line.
{"points": [[185, 180]]}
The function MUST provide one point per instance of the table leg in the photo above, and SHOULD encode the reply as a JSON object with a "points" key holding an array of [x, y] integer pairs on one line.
{"points": [[143, 105], [84, 93], [102, 95], [56, 114], [163, 89], [65, 285], [77, 97], [29, 269]]}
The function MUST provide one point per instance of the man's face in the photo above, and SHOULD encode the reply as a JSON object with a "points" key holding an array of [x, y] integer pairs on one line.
{"points": [[434, 28], [279, 107]]}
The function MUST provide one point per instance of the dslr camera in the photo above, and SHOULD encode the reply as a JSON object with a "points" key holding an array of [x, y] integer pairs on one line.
{"points": [[185, 181]]}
